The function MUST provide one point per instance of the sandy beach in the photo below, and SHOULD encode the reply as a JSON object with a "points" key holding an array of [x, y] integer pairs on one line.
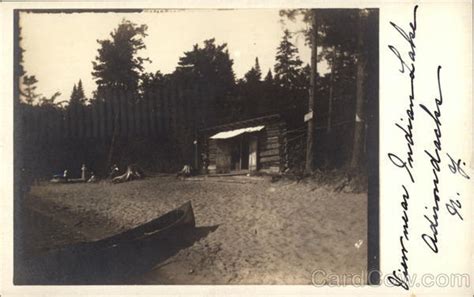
{"points": [[264, 232]]}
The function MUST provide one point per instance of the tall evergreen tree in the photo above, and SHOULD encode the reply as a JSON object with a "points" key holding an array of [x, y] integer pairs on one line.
{"points": [[117, 65], [257, 69], [210, 67], [288, 63], [73, 98], [210, 64], [80, 93], [269, 77], [254, 75], [77, 95]]}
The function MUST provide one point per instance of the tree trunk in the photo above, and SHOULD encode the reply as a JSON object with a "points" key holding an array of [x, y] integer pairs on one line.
{"points": [[359, 127], [328, 138], [309, 166], [331, 91]]}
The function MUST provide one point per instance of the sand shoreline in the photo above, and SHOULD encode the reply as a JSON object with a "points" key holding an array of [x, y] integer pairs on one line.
{"points": [[267, 233]]}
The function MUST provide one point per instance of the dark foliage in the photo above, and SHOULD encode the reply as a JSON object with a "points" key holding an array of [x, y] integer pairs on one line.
{"points": [[152, 119], [117, 65]]}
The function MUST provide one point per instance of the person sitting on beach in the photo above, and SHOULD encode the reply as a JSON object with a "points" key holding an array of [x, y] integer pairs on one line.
{"points": [[92, 179], [185, 172], [114, 171], [133, 172], [63, 176]]}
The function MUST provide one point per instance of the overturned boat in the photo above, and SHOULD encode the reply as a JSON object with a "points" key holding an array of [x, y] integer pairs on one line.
{"points": [[116, 258]]}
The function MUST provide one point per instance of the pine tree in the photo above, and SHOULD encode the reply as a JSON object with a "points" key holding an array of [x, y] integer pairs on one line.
{"points": [[210, 67], [29, 89], [288, 63], [269, 77], [80, 93], [254, 75], [73, 98], [304, 77], [257, 69], [77, 95], [210, 64], [117, 65]]}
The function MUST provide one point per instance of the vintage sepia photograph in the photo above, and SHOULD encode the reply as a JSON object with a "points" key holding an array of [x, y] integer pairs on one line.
{"points": [[196, 146]]}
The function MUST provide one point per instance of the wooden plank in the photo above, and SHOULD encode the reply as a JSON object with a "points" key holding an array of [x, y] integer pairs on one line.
{"points": [[269, 159], [82, 116], [49, 125], [59, 124], [269, 146], [272, 138], [145, 116], [274, 152], [138, 120], [74, 122], [266, 143], [36, 128], [157, 105], [273, 133], [180, 115], [188, 123], [145, 123], [65, 123], [152, 114], [165, 112], [116, 114], [171, 110], [159, 112], [174, 109], [123, 115], [44, 124], [80, 121], [38, 124], [194, 97], [102, 119], [110, 115], [95, 121], [272, 127], [130, 117], [69, 123], [88, 121]]}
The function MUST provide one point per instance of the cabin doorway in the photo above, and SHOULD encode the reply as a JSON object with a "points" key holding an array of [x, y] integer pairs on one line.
{"points": [[237, 154], [240, 153]]}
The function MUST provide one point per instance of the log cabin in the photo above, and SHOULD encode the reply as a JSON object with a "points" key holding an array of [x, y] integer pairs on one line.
{"points": [[243, 147]]}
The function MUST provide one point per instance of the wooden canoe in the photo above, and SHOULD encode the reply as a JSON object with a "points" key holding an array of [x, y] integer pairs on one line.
{"points": [[179, 218], [115, 258]]}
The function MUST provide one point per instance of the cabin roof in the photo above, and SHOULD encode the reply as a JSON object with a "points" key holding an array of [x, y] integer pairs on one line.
{"points": [[242, 124], [236, 132]]}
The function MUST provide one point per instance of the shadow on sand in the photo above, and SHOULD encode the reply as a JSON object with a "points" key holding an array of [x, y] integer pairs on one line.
{"points": [[89, 264]]}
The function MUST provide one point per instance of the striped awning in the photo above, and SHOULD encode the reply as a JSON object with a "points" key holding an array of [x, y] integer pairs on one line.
{"points": [[233, 133]]}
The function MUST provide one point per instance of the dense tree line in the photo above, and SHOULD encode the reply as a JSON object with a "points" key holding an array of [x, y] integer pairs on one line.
{"points": [[341, 94]]}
